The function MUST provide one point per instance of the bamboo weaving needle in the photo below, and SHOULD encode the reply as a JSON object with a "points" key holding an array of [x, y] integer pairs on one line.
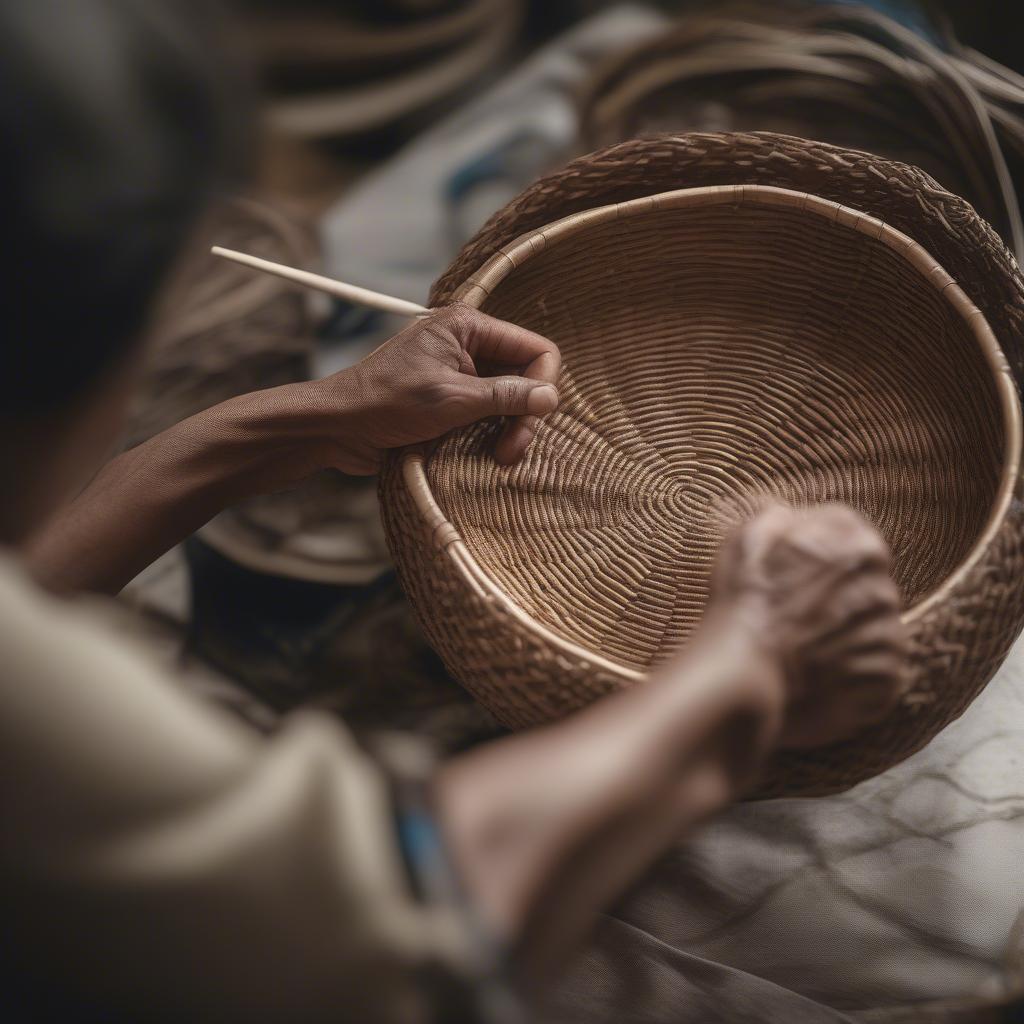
{"points": [[339, 289]]}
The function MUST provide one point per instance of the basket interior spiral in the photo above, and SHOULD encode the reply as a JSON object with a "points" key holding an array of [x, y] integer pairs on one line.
{"points": [[717, 353]]}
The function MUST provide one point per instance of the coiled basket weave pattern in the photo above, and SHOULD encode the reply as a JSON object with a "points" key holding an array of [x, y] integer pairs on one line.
{"points": [[725, 341]]}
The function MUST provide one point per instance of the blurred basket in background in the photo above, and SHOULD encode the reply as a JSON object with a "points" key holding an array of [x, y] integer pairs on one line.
{"points": [[722, 345], [224, 331], [350, 69], [841, 74]]}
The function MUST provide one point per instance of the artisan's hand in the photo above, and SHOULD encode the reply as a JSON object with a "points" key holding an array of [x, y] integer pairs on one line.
{"points": [[430, 378], [815, 587], [550, 826], [448, 370]]}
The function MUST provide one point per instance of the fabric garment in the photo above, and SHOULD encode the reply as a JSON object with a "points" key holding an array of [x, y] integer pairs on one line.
{"points": [[628, 974], [150, 845]]}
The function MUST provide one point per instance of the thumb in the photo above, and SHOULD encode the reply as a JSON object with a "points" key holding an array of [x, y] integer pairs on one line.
{"points": [[509, 396]]}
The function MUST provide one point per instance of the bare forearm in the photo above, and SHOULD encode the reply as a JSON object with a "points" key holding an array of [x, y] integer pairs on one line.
{"points": [[428, 379], [803, 628], [551, 826], [148, 499]]}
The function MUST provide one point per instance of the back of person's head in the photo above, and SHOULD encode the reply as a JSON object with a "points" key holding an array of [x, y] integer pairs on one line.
{"points": [[118, 122]]}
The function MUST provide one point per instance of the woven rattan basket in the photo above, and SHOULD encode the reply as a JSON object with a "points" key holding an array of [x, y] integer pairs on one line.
{"points": [[723, 342]]}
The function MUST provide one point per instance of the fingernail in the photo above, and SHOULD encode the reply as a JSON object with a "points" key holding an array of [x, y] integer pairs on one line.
{"points": [[542, 400]]}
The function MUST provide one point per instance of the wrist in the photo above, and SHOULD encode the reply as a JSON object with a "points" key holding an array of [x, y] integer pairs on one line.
{"points": [[334, 416], [260, 442]]}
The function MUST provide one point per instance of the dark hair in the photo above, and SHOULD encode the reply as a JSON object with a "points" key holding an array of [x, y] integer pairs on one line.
{"points": [[118, 121]]}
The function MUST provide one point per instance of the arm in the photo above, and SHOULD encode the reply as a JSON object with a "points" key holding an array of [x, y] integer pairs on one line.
{"points": [[158, 861], [161, 861], [430, 378], [550, 827], [801, 646]]}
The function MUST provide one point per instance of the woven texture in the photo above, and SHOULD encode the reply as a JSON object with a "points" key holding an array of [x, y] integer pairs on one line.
{"points": [[716, 353]]}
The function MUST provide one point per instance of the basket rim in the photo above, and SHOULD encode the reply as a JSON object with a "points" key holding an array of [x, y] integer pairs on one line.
{"points": [[476, 289]]}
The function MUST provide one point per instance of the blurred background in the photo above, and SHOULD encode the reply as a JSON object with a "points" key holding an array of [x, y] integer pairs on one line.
{"points": [[390, 130]]}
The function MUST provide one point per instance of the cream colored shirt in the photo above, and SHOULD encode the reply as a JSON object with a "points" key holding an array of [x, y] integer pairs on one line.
{"points": [[160, 861]]}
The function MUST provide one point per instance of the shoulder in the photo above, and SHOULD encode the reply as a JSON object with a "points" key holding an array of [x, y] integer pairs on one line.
{"points": [[76, 695]]}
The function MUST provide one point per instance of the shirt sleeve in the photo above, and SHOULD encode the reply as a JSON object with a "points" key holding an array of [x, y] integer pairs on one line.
{"points": [[165, 863]]}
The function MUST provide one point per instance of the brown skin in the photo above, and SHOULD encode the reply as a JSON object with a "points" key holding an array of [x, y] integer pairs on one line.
{"points": [[801, 644], [816, 587], [435, 375]]}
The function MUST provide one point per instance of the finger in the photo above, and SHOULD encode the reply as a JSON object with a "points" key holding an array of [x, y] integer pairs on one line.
{"points": [[875, 672], [496, 343], [518, 433], [835, 601], [746, 543], [821, 718], [490, 340], [504, 396], [834, 608], [816, 551], [832, 537], [877, 631], [814, 722], [846, 696], [839, 528], [757, 536]]}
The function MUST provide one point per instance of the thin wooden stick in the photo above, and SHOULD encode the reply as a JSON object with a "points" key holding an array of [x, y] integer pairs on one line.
{"points": [[339, 289]]}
